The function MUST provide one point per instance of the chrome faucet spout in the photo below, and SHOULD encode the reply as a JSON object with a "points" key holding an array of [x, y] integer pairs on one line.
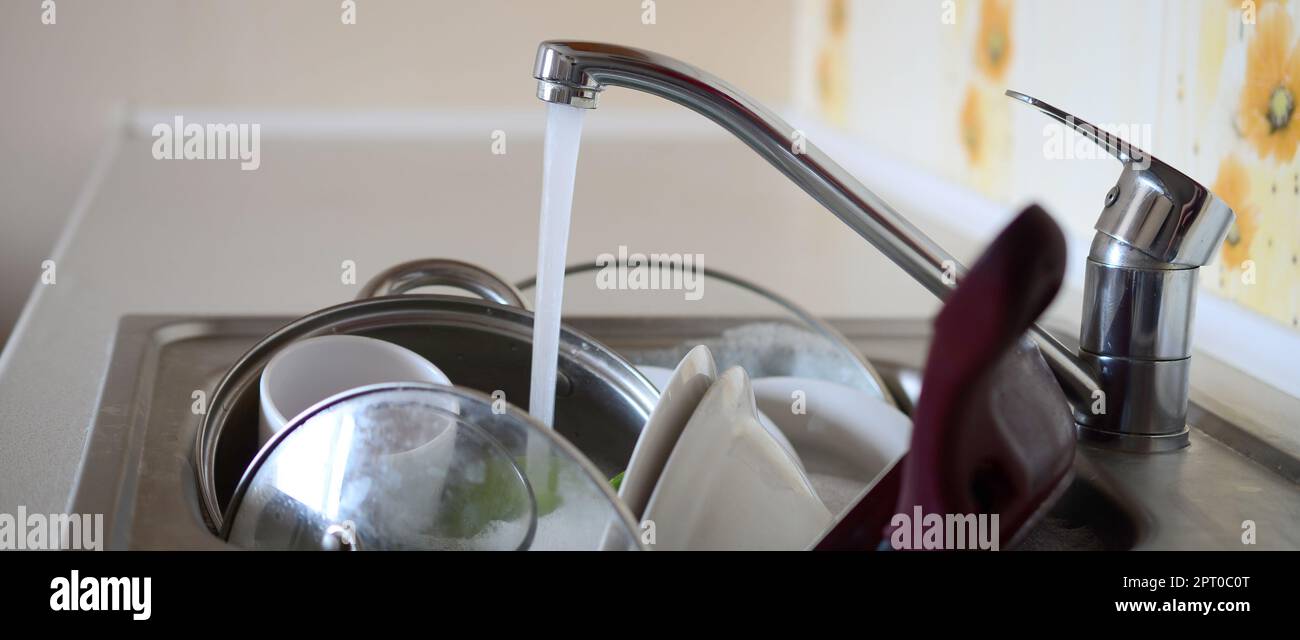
{"points": [[575, 73]]}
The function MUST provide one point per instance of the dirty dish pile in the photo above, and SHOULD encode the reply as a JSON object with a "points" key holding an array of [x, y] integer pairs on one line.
{"points": [[482, 347], [395, 423]]}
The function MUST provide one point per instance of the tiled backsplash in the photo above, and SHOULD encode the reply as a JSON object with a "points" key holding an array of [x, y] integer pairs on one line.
{"points": [[1209, 86]]}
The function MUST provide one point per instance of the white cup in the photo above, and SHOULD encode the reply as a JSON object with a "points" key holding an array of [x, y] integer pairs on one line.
{"points": [[311, 370]]}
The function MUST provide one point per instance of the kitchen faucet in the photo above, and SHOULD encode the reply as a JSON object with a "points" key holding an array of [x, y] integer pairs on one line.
{"points": [[1128, 385]]}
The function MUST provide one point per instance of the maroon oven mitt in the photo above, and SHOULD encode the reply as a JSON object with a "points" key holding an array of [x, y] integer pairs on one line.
{"points": [[992, 432]]}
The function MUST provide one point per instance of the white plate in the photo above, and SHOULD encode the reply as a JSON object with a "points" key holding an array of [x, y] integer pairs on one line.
{"points": [[845, 436], [729, 484], [660, 377], [679, 396]]}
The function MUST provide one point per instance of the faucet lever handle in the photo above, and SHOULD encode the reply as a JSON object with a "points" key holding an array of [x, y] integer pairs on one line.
{"points": [[1153, 207], [1114, 145]]}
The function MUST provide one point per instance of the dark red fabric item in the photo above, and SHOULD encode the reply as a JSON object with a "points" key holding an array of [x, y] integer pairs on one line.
{"points": [[992, 432]]}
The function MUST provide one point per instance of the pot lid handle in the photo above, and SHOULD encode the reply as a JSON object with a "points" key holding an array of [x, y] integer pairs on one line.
{"points": [[442, 272]]}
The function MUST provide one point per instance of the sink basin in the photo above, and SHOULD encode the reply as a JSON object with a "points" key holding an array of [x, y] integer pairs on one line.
{"points": [[139, 472], [1089, 516]]}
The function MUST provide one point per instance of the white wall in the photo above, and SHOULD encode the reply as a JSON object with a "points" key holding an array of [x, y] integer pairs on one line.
{"points": [[63, 83]]}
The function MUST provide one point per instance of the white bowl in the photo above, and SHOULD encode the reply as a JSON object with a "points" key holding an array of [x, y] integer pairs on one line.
{"points": [[310, 370]]}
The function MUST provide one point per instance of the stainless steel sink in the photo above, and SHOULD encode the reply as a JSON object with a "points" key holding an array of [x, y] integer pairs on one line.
{"points": [[139, 469]]}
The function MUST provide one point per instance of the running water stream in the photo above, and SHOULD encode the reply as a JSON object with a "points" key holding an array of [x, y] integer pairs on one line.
{"points": [[559, 164]]}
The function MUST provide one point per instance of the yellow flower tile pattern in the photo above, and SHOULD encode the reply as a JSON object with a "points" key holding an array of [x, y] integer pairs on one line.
{"points": [[1241, 114], [1233, 186], [832, 64], [993, 42], [985, 117], [972, 127], [1259, 168], [1267, 110]]}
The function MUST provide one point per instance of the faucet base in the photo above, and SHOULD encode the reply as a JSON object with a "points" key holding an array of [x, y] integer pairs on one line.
{"points": [[1131, 442]]}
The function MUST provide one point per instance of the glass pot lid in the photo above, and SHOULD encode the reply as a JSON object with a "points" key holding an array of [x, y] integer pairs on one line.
{"points": [[423, 467]]}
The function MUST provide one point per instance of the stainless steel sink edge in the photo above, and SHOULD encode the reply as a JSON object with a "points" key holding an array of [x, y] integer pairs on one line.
{"points": [[1174, 507], [98, 485]]}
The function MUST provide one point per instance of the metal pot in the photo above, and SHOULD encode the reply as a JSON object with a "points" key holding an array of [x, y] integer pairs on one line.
{"points": [[414, 466], [602, 400]]}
